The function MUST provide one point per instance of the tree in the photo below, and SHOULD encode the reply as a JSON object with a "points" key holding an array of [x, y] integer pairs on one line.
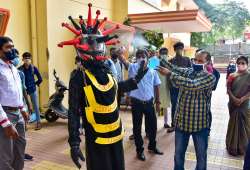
{"points": [[228, 22], [154, 38]]}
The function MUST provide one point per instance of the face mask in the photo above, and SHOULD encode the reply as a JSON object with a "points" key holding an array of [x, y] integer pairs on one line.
{"points": [[15, 61], [164, 57], [198, 67], [27, 61], [79, 65], [10, 55], [114, 56], [139, 60]]}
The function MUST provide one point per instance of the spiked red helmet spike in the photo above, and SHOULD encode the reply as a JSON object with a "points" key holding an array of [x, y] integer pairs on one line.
{"points": [[76, 32], [98, 12], [112, 42], [102, 24], [109, 31], [69, 42], [89, 24], [84, 47]]}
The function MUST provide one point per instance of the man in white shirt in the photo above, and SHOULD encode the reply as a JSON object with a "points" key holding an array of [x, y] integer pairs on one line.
{"points": [[12, 112]]}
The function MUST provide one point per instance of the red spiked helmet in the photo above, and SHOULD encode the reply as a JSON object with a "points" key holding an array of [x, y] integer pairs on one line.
{"points": [[91, 39]]}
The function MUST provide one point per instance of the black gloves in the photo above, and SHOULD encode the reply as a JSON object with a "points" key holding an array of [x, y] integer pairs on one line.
{"points": [[141, 72], [76, 153]]}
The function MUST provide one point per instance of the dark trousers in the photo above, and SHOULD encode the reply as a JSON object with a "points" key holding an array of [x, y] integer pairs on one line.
{"points": [[12, 151], [104, 157], [247, 158], [174, 97], [200, 143], [138, 109]]}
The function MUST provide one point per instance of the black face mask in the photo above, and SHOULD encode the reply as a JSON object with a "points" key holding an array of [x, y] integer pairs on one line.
{"points": [[11, 55], [114, 56]]}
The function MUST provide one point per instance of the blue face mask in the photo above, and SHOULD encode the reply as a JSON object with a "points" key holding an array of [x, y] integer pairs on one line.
{"points": [[15, 61], [198, 67]]}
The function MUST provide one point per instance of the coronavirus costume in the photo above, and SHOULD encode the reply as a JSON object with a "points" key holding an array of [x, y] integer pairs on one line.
{"points": [[93, 97]]}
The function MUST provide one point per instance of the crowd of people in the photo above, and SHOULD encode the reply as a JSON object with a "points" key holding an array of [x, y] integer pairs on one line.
{"points": [[155, 84]]}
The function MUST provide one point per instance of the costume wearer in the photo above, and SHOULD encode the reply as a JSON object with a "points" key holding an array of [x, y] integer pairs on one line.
{"points": [[93, 97]]}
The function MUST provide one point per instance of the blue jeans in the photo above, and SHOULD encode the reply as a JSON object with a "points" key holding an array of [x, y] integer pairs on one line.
{"points": [[247, 158], [200, 143], [34, 100]]}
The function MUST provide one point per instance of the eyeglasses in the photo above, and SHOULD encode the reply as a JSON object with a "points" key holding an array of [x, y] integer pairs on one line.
{"points": [[241, 63]]}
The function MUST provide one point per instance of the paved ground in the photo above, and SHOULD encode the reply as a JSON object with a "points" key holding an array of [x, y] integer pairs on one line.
{"points": [[51, 151]]}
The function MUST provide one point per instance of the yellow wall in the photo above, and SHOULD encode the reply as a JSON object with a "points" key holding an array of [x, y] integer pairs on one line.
{"points": [[120, 10], [18, 28], [62, 59], [39, 46]]}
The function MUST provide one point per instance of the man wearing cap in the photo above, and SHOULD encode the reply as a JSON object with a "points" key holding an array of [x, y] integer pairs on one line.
{"points": [[12, 112], [30, 71], [180, 61]]}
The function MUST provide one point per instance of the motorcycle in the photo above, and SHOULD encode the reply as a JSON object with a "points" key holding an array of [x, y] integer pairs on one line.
{"points": [[55, 108]]}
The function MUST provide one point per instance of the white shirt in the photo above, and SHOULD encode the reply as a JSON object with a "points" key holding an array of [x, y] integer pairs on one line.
{"points": [[145, 89], [10, 90]]}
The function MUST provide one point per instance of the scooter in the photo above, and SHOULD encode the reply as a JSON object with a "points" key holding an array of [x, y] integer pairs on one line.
{"points": [[55, 108]]}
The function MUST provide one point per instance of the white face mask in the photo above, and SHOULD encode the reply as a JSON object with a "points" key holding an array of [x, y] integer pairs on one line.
{"points": [[165, 57], [78, 64], [139, 60]]}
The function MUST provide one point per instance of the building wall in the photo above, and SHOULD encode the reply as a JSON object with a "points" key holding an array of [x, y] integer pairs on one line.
{"points": [[62, 59], [19, 23], [139, 6], [148, 6], [120, 10]]}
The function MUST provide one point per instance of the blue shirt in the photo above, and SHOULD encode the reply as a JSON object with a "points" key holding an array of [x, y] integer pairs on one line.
{"points": [[111, 65], [145, 89], [30, 81]]}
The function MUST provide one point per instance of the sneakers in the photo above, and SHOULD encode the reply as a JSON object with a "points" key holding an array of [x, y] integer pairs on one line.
{"points": [[170, 130], [166, 126], [28, 157], [38, 126], [131, 137]]}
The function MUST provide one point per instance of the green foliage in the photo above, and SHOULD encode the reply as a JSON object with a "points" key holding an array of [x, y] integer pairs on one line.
{"points": [[228, 22], [127, 21], [154, 38]]}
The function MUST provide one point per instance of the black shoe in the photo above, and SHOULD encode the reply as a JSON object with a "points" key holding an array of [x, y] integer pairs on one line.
{"points": [[166, 126], [131, 137], [141, 156], [155, 151], [170, 130], [28, 157]]}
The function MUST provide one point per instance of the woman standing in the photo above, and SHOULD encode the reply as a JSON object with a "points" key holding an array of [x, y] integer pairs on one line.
{"points": [[238, 87]]}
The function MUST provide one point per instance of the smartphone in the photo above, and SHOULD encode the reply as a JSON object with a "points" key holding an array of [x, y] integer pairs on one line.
{"points": [[153, 63]]}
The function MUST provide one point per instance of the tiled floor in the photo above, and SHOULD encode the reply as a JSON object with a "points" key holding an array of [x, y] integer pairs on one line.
{"points": [[51, 151]]}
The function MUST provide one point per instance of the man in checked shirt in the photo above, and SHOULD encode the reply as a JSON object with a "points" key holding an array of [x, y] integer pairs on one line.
{"points": [[193, 107]]}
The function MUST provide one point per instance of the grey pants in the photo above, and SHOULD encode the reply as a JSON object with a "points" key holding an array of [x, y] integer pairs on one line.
{"points": [[12, 151]]}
